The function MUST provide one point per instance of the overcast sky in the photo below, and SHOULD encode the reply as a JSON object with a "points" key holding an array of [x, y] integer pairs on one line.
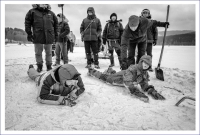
{"points": [[181, 17]]}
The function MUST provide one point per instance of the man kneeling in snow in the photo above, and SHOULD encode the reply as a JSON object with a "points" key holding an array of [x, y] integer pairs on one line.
{"points": [[59, 86], [131, 78]]}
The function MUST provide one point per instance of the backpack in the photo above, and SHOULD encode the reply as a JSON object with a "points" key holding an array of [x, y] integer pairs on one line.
{"points": [[108, 27]]}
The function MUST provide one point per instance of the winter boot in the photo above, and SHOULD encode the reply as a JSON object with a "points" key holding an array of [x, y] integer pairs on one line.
{"points": [[138, 94], [49, 67], [96, 66], [88, 66], [112, 62], [31, 66], [39, 67], [109, 71]]}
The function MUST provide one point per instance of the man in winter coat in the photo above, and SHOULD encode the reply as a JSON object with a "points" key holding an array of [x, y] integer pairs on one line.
{"points": [[59, 86], [134, 79], [152, 34], [61, 44], [112, 34], [41, 25], [90, 30], [135, 35]]}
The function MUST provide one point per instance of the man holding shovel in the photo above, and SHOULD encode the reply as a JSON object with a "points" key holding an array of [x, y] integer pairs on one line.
{"points": [[135, 35]]}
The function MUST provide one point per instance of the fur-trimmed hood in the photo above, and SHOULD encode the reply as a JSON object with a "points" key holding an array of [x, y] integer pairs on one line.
{"points": [[37, 5]]}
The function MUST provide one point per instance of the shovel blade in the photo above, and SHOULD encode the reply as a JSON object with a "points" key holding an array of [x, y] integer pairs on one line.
{"points": [[159, 74]]}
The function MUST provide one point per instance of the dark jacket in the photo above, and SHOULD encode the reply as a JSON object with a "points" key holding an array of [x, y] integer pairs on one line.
{"points": [[113, 30], [152, 33], [63, 31], [136, 74], [44, 25], [137, 36], [51, 78], [94, 30]]}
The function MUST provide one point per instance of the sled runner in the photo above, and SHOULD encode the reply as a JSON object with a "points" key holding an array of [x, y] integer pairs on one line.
{"points": [[182, 99]]}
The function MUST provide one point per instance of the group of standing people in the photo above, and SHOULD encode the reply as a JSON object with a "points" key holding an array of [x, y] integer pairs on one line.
{"points": [[143, 35], [63, 84], [44, 28]]}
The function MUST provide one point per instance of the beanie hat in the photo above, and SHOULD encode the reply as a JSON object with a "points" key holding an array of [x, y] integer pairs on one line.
{"points": [[133, 21], [147, 59], [145, 10], [68, 72], [113, 14]]}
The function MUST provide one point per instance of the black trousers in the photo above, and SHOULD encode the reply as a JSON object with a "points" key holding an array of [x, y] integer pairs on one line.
{"points": [[149, 49], [91, 46], [131, 51]]}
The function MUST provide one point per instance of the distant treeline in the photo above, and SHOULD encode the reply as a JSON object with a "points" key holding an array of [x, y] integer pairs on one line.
{"points": [[15, 35], [187, 39]]}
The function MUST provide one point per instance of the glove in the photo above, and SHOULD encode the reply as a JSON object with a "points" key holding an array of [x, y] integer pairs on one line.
{"points": [[104, 41], [167, 24], [65, 101], [154, 42], [30, 38], [124, 65], [72, 95], [70, 103], [154, 94]]}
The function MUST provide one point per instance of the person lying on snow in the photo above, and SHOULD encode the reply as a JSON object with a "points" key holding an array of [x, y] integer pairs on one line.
{"points": [[59, 86], [134, 78]]}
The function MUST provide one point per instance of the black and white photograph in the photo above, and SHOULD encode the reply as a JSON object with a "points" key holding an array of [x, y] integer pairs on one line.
{"points": [[109, 66]]}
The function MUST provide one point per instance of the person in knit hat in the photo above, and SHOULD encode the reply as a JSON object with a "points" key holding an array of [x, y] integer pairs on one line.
{"points": [[135, 79], [41, 26], [112, 35], [135, 35], [152, 33], [59, 86]]}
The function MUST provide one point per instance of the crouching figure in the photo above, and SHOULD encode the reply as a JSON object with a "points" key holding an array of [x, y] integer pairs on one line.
{"points": [[135, 79], [59, 86]]}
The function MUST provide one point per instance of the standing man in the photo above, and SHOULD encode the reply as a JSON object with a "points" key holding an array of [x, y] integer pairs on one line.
{"points": [[112, 34], [61, 45], [90, 31], [41, 25], [152, 34], [135, 35]]}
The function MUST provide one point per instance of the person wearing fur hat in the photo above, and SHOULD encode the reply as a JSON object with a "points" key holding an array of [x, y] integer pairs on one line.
{"points": [[152, 34], [41, 26], [135, 79], [90, 31], [61, 44], [135, 35], [59, 86], [112, 34]]}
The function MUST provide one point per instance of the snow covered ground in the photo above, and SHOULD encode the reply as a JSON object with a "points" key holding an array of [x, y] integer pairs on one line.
{"points": [[102, 107]]}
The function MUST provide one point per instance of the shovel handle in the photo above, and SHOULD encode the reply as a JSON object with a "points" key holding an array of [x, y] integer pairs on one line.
{"points": [[164, 38]]}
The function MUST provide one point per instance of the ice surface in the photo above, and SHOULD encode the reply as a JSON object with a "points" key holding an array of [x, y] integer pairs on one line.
{"points": [[102, 106]]}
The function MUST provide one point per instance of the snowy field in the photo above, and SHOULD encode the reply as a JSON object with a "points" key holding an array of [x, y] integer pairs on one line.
{"points": [[102, 107]]}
